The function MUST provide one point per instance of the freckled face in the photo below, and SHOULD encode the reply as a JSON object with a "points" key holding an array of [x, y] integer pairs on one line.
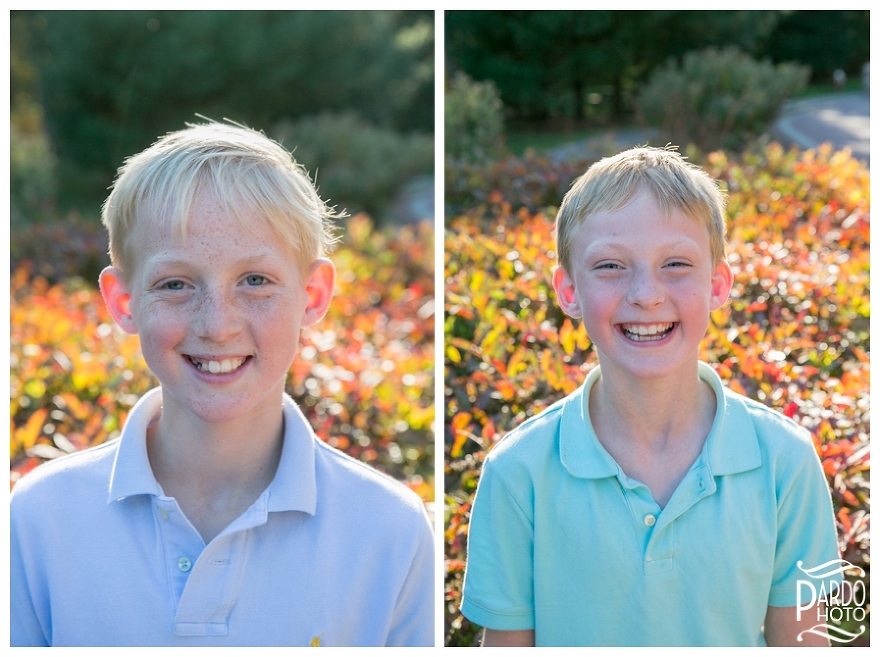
{"points": [[219, 316], [644, 285]]}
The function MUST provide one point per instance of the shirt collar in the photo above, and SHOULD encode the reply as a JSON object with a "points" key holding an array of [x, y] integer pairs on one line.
{"points": [[294, 487], [131, 473], [731, 446]]}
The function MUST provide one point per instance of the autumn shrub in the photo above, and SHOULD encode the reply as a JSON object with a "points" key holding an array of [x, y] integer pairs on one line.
{"points": [[58, 249], [532, 181], [718, 98], [794, 334], [364, 376]]}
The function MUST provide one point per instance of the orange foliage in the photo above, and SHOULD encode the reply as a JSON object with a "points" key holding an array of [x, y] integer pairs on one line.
{"points": [[364, 377], [794, 334]]}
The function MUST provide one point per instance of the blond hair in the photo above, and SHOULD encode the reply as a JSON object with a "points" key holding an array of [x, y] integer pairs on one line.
{"points": [[612, 183], [248, 174]]}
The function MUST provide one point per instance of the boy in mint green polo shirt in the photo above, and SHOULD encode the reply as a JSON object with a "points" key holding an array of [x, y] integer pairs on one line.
{"points": [[652, 506]]}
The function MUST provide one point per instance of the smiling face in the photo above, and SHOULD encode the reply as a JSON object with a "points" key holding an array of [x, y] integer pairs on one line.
{"points": [[219, 315], [644, 284]]}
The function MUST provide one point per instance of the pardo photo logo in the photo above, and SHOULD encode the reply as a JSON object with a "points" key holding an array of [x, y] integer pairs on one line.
{"points": [[832, 600]]}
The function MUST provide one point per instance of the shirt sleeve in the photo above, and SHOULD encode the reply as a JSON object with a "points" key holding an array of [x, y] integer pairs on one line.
{"points": [[499, 582], [25, 628], [413, 622], [806, 545]]}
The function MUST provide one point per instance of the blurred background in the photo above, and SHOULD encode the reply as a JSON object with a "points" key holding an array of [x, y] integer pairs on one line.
{"points": [[352, 92], [540, 80], [772, 104]]}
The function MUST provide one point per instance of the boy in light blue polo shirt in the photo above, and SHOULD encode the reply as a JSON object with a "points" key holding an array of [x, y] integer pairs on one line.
{"points": [[218, 518], [652, 506]]}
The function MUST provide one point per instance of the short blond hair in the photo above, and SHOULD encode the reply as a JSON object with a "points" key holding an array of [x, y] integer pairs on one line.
{"points": [[612, 183], [248, 173]]}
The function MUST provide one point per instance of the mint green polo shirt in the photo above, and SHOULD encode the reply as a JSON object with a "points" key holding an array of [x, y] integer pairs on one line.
{"points": [[563, 542]]}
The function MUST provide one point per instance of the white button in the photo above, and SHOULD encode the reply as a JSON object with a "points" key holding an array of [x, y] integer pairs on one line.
{"points": [[164, 514], [184, 564], [650, 520]]}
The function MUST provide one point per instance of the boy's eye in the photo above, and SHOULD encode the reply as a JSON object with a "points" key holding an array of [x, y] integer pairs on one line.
{"points": [[608, 265], [255, 280], [173, 285], [678, 263]]}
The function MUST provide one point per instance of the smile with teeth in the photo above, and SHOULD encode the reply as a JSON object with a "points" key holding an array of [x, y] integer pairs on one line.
{"points": [[646, 332], [217, 366]]}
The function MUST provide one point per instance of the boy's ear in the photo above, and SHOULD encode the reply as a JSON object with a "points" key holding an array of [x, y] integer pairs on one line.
{"points": [[322, 275], [116, 297], [566, 293], [722, 283]]}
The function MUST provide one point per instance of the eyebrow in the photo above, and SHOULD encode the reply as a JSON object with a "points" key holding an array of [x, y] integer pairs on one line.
{"points": [[165, 259], [613, 245]]}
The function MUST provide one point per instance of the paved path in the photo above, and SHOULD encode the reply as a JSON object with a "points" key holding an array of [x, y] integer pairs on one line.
{"points": [[842, 119], [415, 202]]}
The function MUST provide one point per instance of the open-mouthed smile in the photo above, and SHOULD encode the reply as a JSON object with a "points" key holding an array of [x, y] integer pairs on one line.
{"points": [[647, 332], [223, 366]]}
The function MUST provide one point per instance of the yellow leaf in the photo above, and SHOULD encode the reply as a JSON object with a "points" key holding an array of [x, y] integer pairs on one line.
{"points": [[566, 337], [28, 434], [460, 422], [35, 388], [583, 340]]}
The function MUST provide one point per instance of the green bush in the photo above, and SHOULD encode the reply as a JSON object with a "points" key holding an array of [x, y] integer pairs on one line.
{"points": [[718, 98], [474, 119], [32, 166], [794, 335], [357, 166]]}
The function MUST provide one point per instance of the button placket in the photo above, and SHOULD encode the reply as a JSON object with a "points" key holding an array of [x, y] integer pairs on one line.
{"points": [[181, 544], [643, 509], [212, 588], [660, 552]]}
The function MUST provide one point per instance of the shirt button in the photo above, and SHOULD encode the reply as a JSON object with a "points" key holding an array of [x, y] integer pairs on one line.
{"points": [[650, 520], [164, 514], [184, 564]]}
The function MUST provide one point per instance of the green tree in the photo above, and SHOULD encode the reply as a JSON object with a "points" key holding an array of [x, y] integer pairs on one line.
{"points": [[544, 62], [31, 160], [113, 81], [824, 40]]}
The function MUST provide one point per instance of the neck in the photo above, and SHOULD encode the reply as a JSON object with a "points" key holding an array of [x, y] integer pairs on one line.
{"points": [[215, 471], [653, 429], [651, 415]]}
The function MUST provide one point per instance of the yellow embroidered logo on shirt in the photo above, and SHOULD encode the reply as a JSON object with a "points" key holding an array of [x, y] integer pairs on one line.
{"points": [[315, 642]]}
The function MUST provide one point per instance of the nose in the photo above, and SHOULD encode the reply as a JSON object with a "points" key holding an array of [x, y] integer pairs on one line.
{"points": [[645, 291], [217, 316]]}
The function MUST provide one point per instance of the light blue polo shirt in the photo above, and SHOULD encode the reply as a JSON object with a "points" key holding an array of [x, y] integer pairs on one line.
{"points": [[333, 552], [563, 542]]}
